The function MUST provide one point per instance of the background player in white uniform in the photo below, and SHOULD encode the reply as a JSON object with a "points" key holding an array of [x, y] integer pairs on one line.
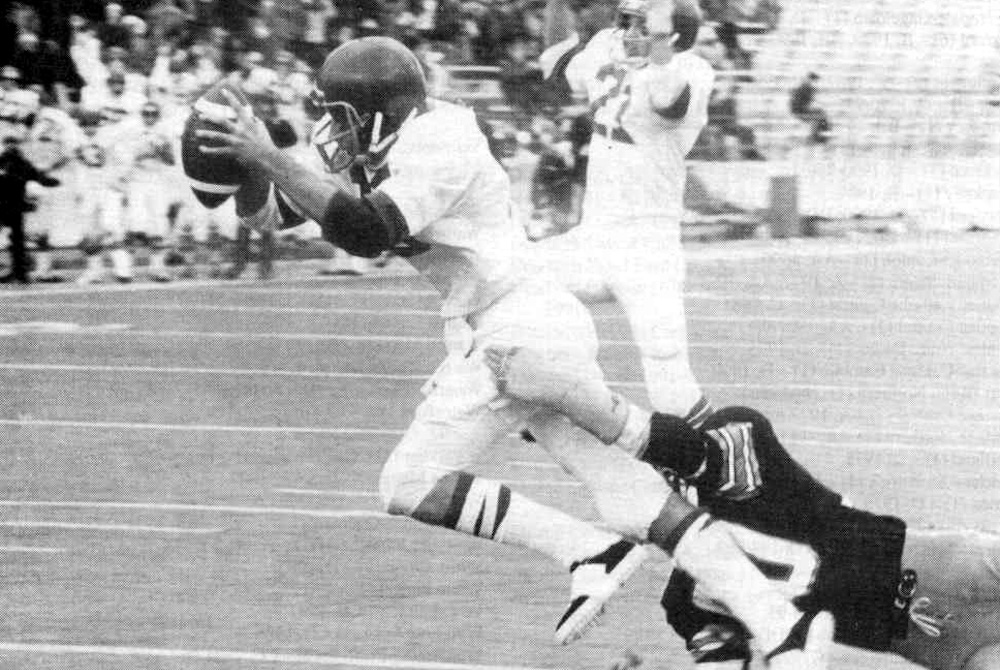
{"points": [[649, 95], [431, 191], [52, 144], [101, 205], [148, 154]]}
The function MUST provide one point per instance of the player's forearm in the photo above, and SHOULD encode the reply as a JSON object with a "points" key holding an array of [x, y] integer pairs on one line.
{"points": [[310, 192]]}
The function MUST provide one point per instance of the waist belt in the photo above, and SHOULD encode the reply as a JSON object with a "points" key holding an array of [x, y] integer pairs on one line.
{"points": [[616, 134]]}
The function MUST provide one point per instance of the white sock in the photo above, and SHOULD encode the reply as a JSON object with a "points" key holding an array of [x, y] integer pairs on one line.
{"points": [[554, 533], [709, 554]]}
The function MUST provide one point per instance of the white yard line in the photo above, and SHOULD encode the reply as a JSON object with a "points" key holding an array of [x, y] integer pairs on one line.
{"points": [[242, 656], [930, 445], [346, 493], [196, 427], [910, 386], [31, 550], [977, 319], [184, 507], [417, 339], [61, 367], [244, 309], [112, 527], [328, 493]]}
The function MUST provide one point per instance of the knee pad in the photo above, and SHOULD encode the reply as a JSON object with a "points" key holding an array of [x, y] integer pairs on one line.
{"points": [[394, 486]]}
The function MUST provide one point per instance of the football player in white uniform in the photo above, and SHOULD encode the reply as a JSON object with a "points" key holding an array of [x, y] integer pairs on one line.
{"points": [[52, 144], [649, 96], [148, 153], [102, 202], [431, 191]]}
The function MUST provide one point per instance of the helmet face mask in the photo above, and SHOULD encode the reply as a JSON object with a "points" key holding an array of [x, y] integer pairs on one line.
{"points": [[636, 39], [368, 88], [339, 137], [631, 21]]}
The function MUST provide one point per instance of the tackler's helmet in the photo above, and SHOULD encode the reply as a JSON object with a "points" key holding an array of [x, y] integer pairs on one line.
{"points": [[368, 88]]}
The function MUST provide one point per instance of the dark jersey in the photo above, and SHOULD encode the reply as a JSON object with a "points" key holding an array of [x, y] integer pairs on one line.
{"points": [[859, 553]]}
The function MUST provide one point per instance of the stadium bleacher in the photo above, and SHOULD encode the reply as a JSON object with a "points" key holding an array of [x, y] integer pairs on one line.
{"points": [[894, 73]]}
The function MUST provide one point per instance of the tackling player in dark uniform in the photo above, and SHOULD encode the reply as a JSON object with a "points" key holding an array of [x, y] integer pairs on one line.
{"points": [[932, 597]]}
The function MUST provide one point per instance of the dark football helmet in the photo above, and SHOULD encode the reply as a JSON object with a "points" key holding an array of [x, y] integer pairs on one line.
{"points": [[367, 87]]}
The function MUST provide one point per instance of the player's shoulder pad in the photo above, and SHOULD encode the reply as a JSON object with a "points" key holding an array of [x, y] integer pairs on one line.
{"points": [[442, 136]]}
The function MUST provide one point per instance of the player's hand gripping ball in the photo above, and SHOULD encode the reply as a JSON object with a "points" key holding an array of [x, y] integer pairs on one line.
{"points": [[212, 177]]}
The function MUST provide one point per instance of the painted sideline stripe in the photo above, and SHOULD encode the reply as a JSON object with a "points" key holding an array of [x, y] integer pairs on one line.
{"points": [[28, 301], [417, 339], [294, 283], [397, 432], [913, 386], [264, 309], [32, 550], [246, 656], [45, 367], [979, 319], [328, 492], [129, 425], [341, 493], [184, 507], [62, 525]]}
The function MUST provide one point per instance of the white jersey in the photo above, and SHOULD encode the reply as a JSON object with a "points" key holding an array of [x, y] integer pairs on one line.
{"points": [[636, 168], [456, 201]]}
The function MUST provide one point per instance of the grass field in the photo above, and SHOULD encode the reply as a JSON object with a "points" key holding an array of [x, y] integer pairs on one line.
{"points": [[188, 471]]}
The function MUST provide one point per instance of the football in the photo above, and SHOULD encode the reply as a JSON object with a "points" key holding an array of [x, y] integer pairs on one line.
{"points": [[212, 178]]}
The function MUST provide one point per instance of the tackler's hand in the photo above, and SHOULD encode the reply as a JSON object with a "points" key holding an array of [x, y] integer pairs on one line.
{"points": [[245, 138]]}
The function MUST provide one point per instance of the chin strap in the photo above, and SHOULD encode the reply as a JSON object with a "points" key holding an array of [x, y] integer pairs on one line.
{"points": [[380, 144]]}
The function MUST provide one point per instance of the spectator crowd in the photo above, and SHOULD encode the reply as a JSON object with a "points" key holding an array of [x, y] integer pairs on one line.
{"points": [[96, 96]]}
